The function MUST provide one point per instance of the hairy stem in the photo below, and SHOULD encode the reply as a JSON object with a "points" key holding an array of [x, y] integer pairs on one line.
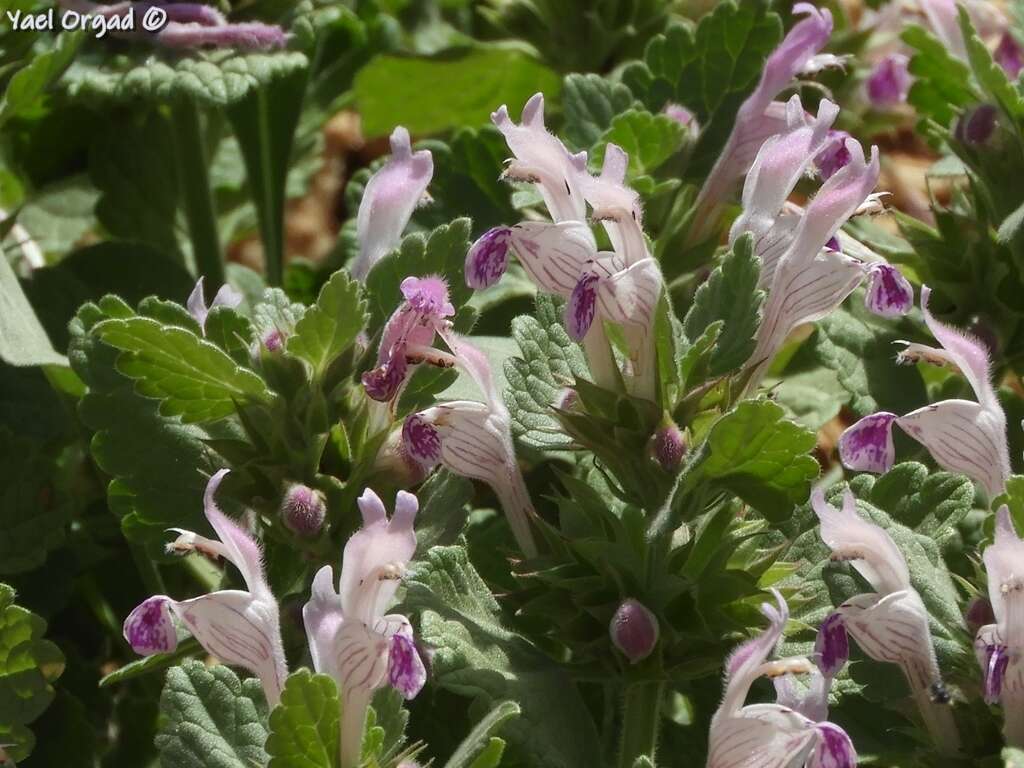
{"points": [[195, 186], [640, 720], [938, 719]]}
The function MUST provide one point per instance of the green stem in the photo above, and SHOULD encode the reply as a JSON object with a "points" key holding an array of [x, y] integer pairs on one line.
{"points": [[194, 180], [640, 719], [271, 212]]}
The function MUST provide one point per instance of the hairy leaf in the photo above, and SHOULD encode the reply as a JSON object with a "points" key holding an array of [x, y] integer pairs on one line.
{"points": [[211, 719], [304, 728], [762, 457], [477, 656], [591, 103], [550, 362], [648, 139], [331, 325]]}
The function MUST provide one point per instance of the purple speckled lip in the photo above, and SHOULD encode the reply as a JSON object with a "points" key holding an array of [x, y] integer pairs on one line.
{"points": [[889, 293], [149, 628], [487, 259], [996, 662], [406, 672], [834, 747], [421, 440], [867, 446], [832, 645], [582, 305]]}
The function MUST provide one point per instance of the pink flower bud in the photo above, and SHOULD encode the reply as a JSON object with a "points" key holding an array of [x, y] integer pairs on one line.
{"points": [[668, 447], [634, 630], [303, 511]]}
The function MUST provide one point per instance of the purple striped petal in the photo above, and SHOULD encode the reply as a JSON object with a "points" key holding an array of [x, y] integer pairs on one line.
{"points": [[867, 446], [833, 749], [406, 671], [997, 659], [149, 629], [832, 646], [582, 306], [487, 259], [889, 293]]}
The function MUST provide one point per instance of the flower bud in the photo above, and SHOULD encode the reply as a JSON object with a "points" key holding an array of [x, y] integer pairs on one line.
{"points": [[634, 630], [1009, 56], [976, 126], [303, 511], [668, 447], [889, 81], [681, 115], [273, 340]]}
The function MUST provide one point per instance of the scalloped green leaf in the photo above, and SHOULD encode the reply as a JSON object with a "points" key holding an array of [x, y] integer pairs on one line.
{"points": [[211, 719], [648, 139], [550, 362], [591, 103], [28, 666], [762, 457], [304, 727], [192, 377], [29, 83], [220, 78], [331, 325]]}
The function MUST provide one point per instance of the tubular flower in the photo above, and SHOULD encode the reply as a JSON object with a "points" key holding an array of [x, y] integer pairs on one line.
{"points": [[831, 652], [999, 646], [408, 337], [889, 82], [239, 627], [196, 304], [809, 280], [390, 197], [760, 117], [891, 623], [189, 25], [350, 636], [474, 439], [770, 735], [961, 435]]}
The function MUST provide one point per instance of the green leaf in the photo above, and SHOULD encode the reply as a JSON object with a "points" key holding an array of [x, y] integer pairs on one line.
{"points": [[433, 95], [941, 80], [34, 510], [331, 325], [648, 139], [990, 76], [550, 362], [591, 103], [22, 338], [932, 504], [28, 666], [481, 749], [211, 719], [134, 166], [29, 83], [467, 180], [149, 664], [442, 252], [709, 70], [477, 656], [264, 123], [220, 78], [858, 346], [762, 457], [160, 465], [60, 213], [192, 377], [304, 728], [729, 295]]}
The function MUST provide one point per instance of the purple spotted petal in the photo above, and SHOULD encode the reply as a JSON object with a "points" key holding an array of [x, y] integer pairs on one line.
{"points": [[889, 293], [996, 661], [149, 629], [487, 259], [834, 748], [867, 445], [406, 672], [832, 645], [889, 82], [421, 439], [384, 381], [582, 304], [1009, 56], [834, 155]]}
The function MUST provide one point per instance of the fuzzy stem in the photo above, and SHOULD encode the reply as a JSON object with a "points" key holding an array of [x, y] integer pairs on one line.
{"points": [[640, 719], [195, 186], [599, 356], [356, 701], [938, 719]]}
